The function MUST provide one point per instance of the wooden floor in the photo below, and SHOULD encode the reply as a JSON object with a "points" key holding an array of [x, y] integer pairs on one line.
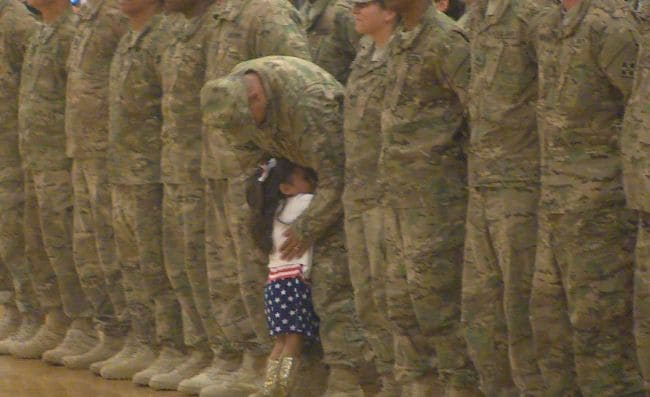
{"points": [[34, 378]]}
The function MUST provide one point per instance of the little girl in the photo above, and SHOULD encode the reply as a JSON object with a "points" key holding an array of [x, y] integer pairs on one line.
{"points": [[278, 194]]}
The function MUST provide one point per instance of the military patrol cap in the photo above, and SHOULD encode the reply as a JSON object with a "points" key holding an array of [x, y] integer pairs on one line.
{"points": [[224, 102]]}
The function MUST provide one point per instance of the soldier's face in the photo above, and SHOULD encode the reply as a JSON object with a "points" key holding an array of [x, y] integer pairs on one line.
{"points": [[257, 101], [370, 17]]}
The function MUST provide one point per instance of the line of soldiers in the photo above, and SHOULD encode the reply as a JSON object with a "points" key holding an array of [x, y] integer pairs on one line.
{"points": [[493, 176]]}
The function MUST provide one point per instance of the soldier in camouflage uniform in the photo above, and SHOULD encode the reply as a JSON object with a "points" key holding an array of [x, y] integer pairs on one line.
{"points": [[581, 303], [332, 38], [135, 124], [635, 145], [501, 226], [243, 29], [423, 175], [16, 27], [183, 70], [48, 186], [361, 196], [100, 27], [302, 122]]}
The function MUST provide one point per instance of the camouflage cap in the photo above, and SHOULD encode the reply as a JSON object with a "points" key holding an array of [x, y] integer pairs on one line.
{"points": [[224, 103]]}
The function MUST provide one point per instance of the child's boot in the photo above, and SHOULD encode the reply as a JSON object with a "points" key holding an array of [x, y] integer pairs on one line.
{"points": [[287, 374], [270, 386]]}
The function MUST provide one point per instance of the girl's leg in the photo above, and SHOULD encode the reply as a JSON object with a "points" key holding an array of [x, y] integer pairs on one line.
{"points": [[278, 347], [292, 345]]}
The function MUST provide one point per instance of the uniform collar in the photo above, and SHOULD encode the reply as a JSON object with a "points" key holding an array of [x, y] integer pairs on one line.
{"points": [[313, 11], [494, 12], [195, 23], [406, 39], [136, 37], [571, 19], [90, 9], [366, 61], [49, 30], [228, 9]]}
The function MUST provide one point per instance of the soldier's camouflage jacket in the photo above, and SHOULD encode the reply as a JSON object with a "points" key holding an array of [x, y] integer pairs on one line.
{"points": [[586, 66], [246, 30], [101, 25], [135, 115], [422, 158], [332, 37], [304, 124], [184, 65], [16, 27], [364, 94], [635, 138], [42, 95], [504, 147]]}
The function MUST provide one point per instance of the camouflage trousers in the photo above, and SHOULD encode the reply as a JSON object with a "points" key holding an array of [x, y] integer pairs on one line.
{"points": [[48, 242], [367, 262], [501, 232], [183, 229], [94, 245], [581, 303], [642, 297], [424, 253], [236, 286], [15, 282], [151, 305], [333, 297]]}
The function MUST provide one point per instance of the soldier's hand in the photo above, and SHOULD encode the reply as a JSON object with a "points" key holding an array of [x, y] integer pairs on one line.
{"points": [[293, 247]]}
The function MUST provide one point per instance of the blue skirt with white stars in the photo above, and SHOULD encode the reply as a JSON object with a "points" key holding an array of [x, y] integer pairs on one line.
{"points": [[289, 309]]}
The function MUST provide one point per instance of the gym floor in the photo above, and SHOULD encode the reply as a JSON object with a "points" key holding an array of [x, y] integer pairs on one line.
{"points": [[34, 378]]}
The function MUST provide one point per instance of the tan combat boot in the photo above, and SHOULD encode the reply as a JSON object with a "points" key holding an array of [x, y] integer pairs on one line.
{"points": [[389, 387], [29, 326], [343, 382], [124, 352], [271, 377], [48, 336], [219, 371], [80, 338], [136, 358], [10, 321], [168, 360], [194, 365], [106, 348], [246, 381], [454, 391]]}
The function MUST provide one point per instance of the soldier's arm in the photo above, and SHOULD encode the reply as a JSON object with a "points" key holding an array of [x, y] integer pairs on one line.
{"points": [[320, 125], [454, 61], [617, 54], [278, 31]]}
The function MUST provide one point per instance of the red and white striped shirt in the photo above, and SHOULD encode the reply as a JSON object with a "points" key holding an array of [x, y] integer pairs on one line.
{"points": [[279, 269]]}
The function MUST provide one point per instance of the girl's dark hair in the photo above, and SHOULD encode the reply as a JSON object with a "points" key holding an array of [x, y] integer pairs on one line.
{"points": [[264, 198]]}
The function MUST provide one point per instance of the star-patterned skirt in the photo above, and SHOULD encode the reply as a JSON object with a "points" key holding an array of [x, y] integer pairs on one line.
{"points": [[289, 309]]}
